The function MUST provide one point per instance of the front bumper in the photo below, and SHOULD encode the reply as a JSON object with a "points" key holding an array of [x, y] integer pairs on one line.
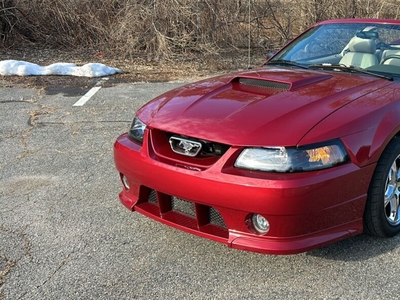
{"points": [[305, 210]]}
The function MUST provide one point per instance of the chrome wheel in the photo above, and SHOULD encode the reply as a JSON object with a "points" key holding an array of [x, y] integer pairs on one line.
{"points": [[392, 192], [382, 208]]}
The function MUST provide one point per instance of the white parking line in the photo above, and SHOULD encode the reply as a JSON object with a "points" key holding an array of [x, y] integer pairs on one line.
{"points": [[90, 93], [87, 96]]}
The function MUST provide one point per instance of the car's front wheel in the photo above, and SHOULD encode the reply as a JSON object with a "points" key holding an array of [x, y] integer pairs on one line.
{"points": [[382, 210]]}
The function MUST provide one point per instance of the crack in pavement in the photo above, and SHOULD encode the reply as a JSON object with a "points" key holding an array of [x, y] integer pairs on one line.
{"points": [[63, 262], [18, 101], [32, 123], [30, 184], [8, 262], [33, 115], [24, 134]]}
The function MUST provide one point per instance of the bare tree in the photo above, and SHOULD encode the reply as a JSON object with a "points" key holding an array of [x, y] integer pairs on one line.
{"points": [[172, 29]]}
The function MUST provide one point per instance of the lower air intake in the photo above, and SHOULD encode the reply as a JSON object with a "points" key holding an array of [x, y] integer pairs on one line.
{"points": [[183, 206], [215, 218], [166, 203]]}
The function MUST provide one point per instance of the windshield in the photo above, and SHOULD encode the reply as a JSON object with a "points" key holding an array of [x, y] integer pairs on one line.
{"points": [[371, 46]]}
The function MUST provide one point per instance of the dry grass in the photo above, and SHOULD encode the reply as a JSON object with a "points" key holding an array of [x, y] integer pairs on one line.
{"points": [[170, 29], [165, 39]]}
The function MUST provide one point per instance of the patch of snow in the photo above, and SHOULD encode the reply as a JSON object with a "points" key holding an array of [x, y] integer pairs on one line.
{"points": [[23, 68]]}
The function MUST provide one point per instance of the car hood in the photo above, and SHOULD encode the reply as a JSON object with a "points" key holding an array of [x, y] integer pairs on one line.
{"points": [[264, 107]]}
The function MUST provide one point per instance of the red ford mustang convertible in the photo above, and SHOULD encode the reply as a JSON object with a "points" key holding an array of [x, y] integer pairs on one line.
{"points": [[296, 154]]}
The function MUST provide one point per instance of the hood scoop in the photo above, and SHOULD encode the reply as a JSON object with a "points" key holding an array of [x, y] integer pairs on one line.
{"points": [[261, 83], [264, 85]]}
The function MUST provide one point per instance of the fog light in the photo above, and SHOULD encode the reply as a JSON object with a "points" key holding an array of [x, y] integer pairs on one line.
{"points": [[261, 224], [125, 181]]}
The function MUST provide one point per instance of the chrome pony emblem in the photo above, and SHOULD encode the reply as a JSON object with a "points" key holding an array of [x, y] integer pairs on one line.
{"points": [[184, 146]]}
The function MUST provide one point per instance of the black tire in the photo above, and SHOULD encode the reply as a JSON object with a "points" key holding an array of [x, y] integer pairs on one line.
{"points": [[382, 210]]}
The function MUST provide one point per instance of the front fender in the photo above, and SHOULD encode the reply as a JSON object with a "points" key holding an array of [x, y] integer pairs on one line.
{"points": [[386, 130], [365, 125]]}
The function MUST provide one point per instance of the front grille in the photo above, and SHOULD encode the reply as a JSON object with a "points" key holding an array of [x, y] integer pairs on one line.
{"points": [[186, 213], [208, 148], [165, 147]]}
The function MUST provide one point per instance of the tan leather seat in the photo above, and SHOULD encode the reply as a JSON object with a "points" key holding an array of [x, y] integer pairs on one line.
{"points": [[391, 57], [360, 53]]}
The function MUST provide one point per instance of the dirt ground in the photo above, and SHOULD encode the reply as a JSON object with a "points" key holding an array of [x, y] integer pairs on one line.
{"points": [[133, 70]]}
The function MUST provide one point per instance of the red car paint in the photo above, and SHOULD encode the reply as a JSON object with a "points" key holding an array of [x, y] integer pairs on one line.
{"points": [[305, 210]]}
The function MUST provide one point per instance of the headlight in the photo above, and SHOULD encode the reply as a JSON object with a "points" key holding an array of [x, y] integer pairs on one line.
{"points": [[136, 132], [282, 159]]}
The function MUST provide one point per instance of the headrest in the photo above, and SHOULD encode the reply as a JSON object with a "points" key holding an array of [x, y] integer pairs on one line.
{"points": [[361, 45]]}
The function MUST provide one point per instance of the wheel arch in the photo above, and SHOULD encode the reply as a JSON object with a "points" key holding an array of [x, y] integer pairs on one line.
{"points": [[381, 213], [386, 131]]}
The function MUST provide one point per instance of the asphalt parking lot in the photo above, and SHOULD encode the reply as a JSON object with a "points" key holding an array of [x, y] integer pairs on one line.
{"points": [[64, 234]]}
